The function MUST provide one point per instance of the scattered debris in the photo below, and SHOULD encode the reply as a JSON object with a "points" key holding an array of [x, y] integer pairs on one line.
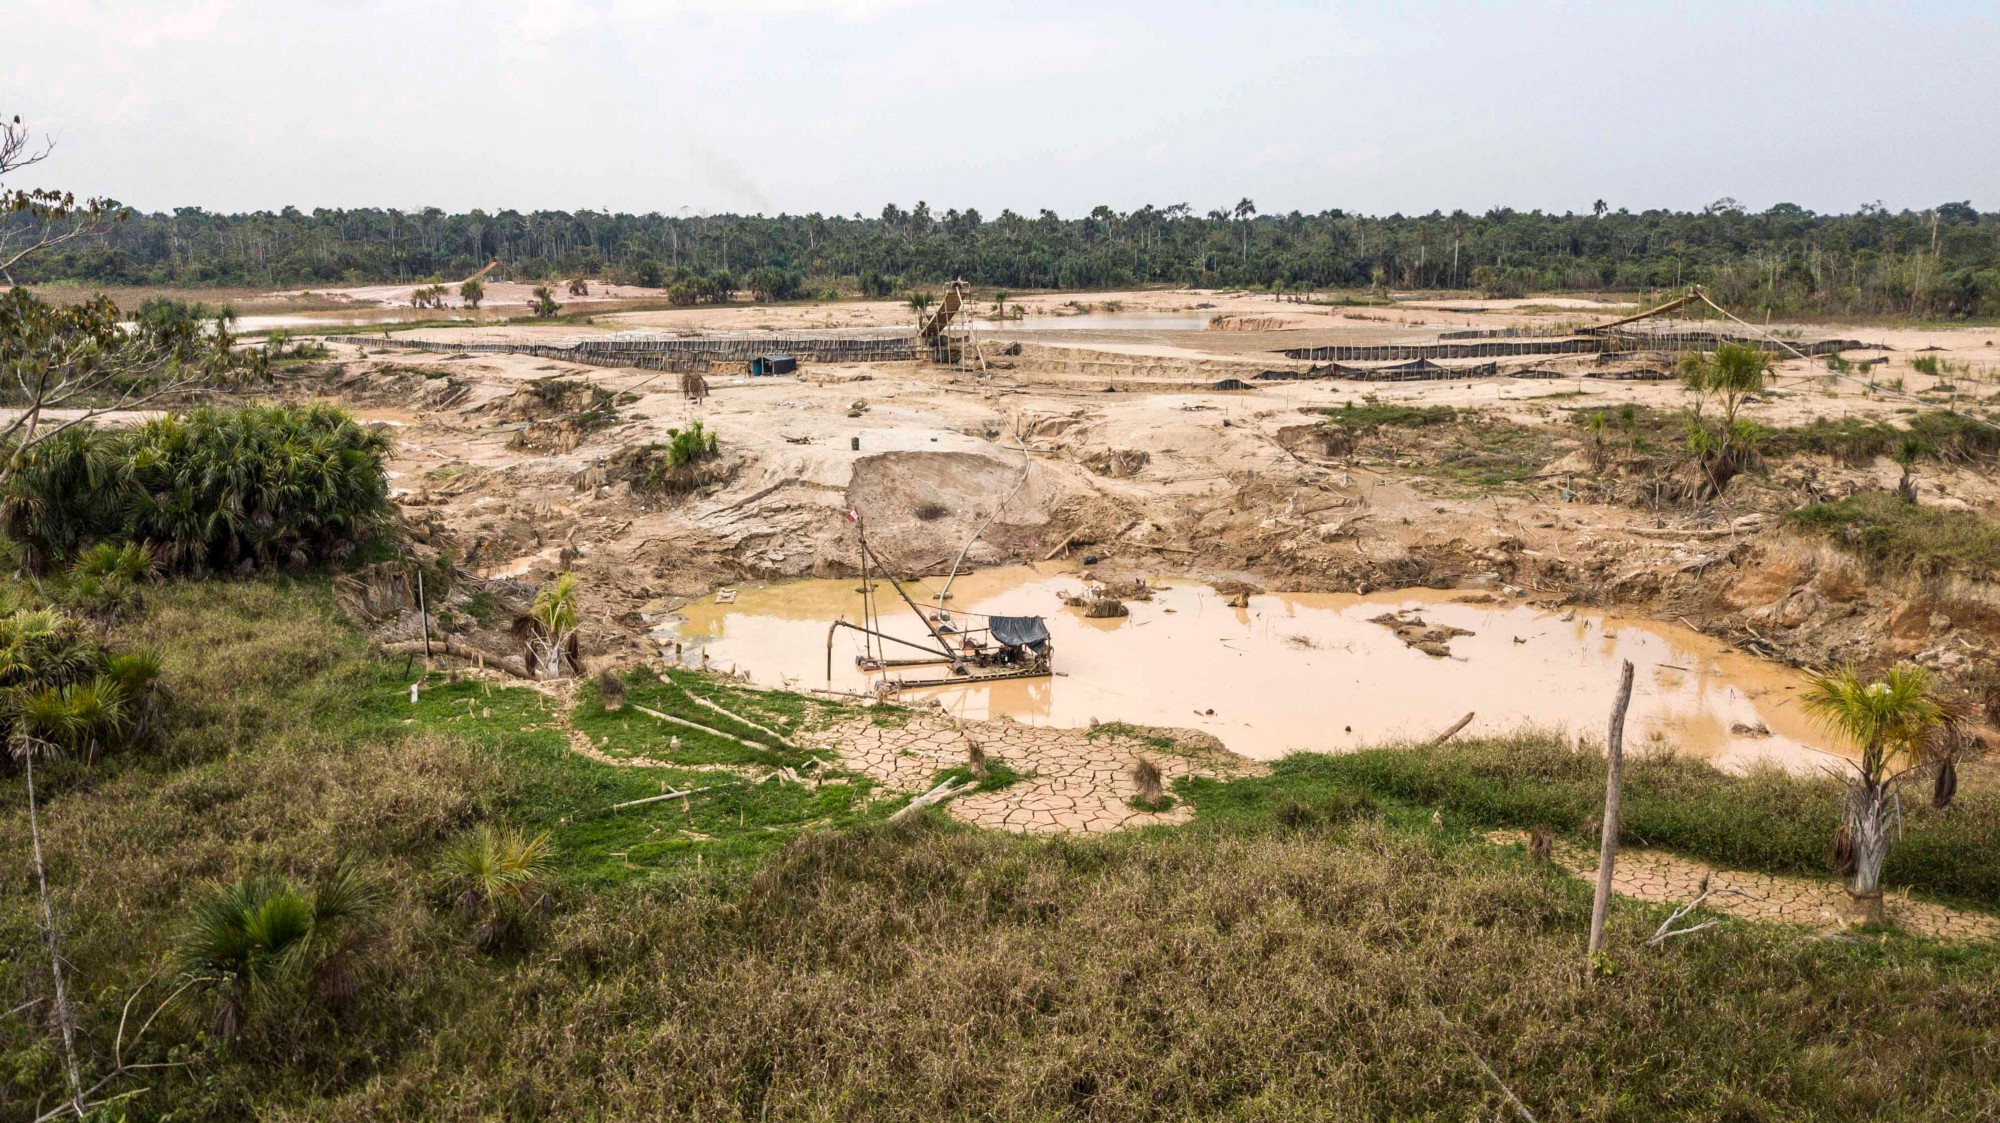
{"points": [[1409, 626]]}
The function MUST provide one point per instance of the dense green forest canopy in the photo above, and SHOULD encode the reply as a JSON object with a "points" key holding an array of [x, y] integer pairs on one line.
{"points": [[1940, 262]]}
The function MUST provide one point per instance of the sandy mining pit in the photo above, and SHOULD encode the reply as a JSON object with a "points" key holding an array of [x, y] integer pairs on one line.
{"points": [[1132, 457]]}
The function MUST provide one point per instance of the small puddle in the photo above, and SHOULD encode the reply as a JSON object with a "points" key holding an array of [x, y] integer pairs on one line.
{"points": [[1290, 671]]}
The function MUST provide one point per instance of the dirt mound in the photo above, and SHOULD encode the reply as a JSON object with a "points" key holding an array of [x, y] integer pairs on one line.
{"points": [[899, 493], [545, 399], [558, 413], [1253, 323], [650, 469], [1118, 463]]}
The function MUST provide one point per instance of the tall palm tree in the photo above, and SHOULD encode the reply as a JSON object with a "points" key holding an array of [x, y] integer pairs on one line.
{"points": [[1244, 211], [1901, 728]]}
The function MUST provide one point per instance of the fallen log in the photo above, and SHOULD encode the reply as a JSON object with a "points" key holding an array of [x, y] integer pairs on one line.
{"points": [[944, 791], [1441, 738], [656, 798], [730, 714], [700, 728]]}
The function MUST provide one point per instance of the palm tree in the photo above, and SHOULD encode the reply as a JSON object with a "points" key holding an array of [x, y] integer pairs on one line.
{"points": [[488, 877], [262, 940], [1244, 211], [548, 630], [1901, 728], [1596, 426], [472, 292], [1000, 304], [920, 303], [1599, 207], [1907, 454], [1721, 447]]}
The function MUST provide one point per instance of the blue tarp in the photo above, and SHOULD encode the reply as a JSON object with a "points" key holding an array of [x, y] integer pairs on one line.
{"points": [[1019, 631]]}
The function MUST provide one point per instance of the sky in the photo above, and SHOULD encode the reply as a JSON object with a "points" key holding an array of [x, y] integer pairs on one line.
{"points": [[839, 106]]}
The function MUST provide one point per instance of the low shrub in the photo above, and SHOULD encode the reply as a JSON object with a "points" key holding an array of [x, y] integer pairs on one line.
{"points": [[1856, 441], [1904, 537], [1377, 415], [675, 466], [63, 689]]}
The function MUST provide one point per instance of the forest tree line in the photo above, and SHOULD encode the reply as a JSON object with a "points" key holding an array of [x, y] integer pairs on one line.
{"points": [[1943, 262]]}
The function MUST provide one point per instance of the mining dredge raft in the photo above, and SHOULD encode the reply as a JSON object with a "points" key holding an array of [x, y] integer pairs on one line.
{"points": [[996, 649]]}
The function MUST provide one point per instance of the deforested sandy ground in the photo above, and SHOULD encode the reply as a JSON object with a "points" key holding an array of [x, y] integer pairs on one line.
{"points": [[1132, 457]]}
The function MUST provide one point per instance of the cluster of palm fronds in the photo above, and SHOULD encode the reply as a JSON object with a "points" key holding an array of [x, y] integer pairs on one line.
{"points": [[263, 945], [677, 465], [492, 880], [548, 630], [209, 489], [62, 692], [264, 938], [105, 580]]}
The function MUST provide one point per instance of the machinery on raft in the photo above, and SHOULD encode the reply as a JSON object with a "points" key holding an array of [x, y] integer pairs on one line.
{"points": [[993, 649]]}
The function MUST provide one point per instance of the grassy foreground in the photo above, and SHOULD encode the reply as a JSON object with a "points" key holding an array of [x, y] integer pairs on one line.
{"points": [[1302, 949]]}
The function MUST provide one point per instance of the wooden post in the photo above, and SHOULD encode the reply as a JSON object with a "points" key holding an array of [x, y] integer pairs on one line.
{"points": [[424, 612], [1614, 775]]}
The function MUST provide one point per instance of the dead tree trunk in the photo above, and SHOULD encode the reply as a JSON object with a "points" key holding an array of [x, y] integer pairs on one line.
{"points": [[1614, 778]]}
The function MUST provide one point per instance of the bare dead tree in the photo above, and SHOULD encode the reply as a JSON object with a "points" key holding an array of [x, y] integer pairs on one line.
{"points": [[26, 748], [83, 1104], [1607, 855], [1666, 931], [79, 360], [36, 219]]}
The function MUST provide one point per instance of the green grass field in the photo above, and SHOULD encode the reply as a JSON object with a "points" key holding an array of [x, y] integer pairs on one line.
{"points": [[1310, 945]]}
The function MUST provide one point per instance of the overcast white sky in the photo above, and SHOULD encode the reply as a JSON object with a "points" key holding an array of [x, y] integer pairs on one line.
{"points": [[843, 105]]}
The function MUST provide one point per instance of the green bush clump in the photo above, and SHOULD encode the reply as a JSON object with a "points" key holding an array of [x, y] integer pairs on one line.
{"points": [[1947, 434], [209, 489], [1904, 537], [686, 446], [1377, 415], [674, 466], [63, 690]]}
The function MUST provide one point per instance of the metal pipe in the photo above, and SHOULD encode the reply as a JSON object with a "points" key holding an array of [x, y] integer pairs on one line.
{"points": [[837, 624]]}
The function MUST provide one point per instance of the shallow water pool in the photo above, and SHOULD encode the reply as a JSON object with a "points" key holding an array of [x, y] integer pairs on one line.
{"points": [[1289, 671]]}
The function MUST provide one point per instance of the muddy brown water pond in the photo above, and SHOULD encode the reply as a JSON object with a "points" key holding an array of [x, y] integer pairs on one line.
{"points": [[1290, 671]]}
